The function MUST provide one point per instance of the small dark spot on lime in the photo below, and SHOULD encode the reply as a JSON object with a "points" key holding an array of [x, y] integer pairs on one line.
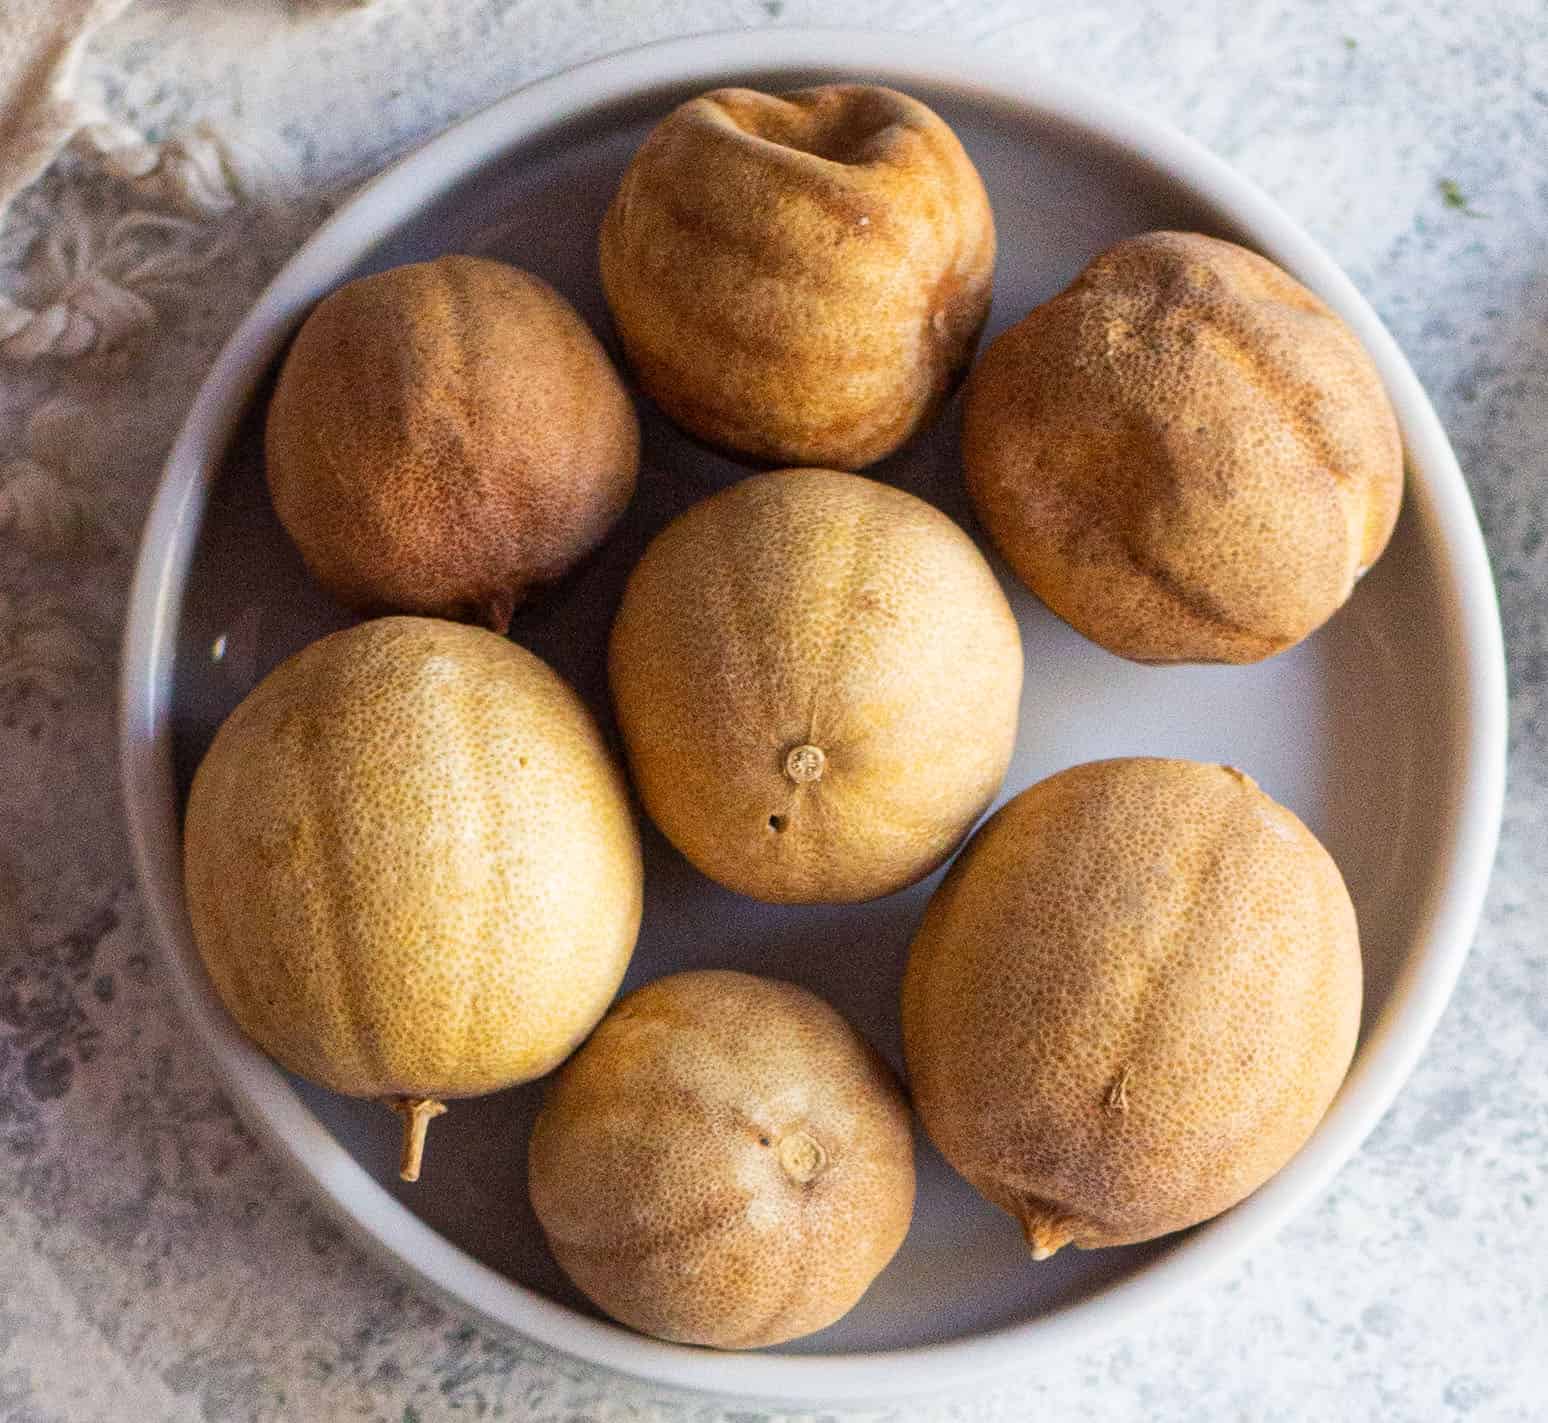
{"points": [[763, 1141]]}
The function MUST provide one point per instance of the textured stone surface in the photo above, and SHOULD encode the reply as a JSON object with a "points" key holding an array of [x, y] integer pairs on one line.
{"points": [[156, 1265]]}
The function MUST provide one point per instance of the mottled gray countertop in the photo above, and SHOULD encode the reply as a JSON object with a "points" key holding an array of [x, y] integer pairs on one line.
{"points": [[156, 1264]]}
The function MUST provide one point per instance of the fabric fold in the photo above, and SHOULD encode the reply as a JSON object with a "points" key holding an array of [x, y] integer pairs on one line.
{"points": [[41, 42]]}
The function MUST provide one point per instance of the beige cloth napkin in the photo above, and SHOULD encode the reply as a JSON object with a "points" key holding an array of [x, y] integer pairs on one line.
{"points": [[40, 50], [88, 288]]}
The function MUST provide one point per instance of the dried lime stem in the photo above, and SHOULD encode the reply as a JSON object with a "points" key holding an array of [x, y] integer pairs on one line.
{"points": [[805, 764], [416, 1113], [802, 1157], [1046, 1228]]}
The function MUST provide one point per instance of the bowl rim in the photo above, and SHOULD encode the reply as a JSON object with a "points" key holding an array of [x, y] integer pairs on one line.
{"points": [[1389, 1048]]}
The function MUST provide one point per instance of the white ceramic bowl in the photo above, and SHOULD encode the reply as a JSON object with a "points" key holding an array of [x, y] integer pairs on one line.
{"points": [[1385, 730]]}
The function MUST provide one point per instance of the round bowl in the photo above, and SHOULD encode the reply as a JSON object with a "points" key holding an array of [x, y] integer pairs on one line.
{"points": [[1384, 731]]}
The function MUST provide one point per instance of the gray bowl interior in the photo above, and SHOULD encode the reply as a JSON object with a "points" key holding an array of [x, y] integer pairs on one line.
{"points": [[1348, 729]]}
